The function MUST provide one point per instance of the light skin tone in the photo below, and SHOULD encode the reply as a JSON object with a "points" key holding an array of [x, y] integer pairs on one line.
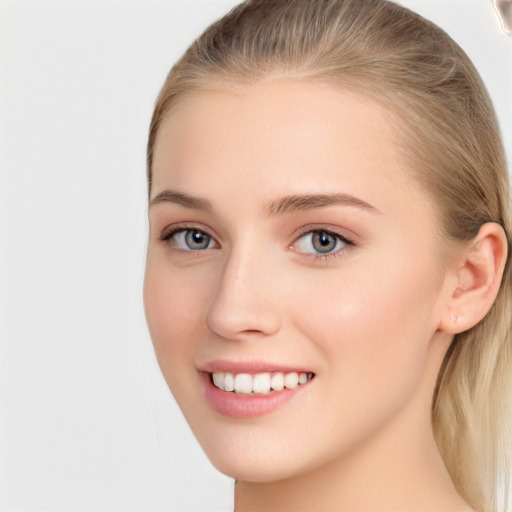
{"points": [[370, 313]]}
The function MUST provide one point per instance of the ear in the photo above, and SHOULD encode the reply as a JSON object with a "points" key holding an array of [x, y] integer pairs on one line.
{"points": [[478, 274]]}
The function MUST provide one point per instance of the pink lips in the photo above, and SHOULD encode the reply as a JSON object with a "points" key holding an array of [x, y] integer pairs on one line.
{"points": [[236, 405], [223, 365]]}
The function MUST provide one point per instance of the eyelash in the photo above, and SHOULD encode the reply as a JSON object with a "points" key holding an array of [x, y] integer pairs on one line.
{"points": [[168, 234], [344, 239]]}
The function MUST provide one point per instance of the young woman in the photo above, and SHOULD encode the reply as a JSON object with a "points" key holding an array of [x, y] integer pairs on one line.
{"points": [[328, 282]]}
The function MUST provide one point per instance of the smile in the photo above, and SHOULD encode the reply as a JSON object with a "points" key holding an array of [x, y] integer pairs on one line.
{"points": [[250, 390], [258, 383]]}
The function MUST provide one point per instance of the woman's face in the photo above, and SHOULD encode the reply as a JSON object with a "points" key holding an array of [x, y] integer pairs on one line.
{"points": [[286, 242]]}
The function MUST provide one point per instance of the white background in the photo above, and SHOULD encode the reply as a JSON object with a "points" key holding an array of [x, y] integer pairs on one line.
{"points": [[86, 421]]}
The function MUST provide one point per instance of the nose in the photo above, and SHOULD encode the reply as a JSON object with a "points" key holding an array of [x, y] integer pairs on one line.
{"points": [[244, 305]]}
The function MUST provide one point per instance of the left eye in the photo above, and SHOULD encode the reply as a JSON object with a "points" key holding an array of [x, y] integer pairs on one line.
{"points": [[192, 240], [320, 242]]}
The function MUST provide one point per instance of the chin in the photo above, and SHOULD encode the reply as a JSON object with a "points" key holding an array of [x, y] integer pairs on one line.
{"points": [[251, 459], [248, 471]]}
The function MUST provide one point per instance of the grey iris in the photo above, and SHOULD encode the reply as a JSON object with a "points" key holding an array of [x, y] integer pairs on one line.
{"points": [[323, 242], [196, 240]]}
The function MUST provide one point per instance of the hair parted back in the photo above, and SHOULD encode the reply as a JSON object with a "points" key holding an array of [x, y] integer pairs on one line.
{"points": [[451, 142]]}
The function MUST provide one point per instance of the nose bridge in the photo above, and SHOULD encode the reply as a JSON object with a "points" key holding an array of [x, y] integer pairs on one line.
{"points": [[244, 301]]}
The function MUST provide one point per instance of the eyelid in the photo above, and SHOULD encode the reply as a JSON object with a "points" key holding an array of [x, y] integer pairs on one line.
{"points": [[348, 240], [171, 230]]}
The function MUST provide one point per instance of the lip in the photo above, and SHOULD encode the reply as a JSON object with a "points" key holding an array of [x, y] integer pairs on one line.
{"points": [[256, 366], [236, 405]]}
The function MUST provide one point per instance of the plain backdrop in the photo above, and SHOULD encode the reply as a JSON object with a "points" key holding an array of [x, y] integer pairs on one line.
{"points": [[86, 421]]}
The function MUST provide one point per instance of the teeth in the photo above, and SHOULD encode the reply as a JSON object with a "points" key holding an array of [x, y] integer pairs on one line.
{"points": [[291, 380], [218, 379], [243, 383], [277, 382], [259, 383], [229, 382]]}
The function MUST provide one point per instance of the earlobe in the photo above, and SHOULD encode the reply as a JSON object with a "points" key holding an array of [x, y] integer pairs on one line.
{"points": [[478, 278]]}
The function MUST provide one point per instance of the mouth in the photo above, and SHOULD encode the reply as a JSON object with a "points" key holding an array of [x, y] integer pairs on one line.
{"points": [[265, 383], [250, 390]]}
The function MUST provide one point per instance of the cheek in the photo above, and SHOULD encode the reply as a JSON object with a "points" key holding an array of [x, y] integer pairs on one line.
{"points": [[370, 324], [372, 330], [173, 304]]}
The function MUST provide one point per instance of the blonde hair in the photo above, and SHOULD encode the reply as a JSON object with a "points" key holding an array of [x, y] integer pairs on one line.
{"points": [[453, 148]]}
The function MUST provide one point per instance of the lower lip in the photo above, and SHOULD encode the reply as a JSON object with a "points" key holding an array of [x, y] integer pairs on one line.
{"points": [[237, 405]]}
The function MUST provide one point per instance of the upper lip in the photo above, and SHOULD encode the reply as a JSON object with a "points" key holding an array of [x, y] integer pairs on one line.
{"points": [[256, 366]]}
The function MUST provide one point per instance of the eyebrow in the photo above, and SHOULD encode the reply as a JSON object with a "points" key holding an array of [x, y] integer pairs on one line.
{"points": [[311, 201], [185, 200], [287, 204]]}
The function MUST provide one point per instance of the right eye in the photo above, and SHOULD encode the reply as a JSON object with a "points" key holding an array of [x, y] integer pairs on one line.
{"points": [[187, 239]]}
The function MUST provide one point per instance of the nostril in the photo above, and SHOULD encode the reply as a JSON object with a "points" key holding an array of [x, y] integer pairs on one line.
{"points": [[241, 320]]}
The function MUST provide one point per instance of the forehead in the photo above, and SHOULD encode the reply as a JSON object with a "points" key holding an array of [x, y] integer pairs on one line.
{"points": [[280, 138]]}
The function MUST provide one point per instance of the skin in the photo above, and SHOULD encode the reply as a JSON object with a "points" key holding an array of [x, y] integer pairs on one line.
{"points": [[372, 321]]}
